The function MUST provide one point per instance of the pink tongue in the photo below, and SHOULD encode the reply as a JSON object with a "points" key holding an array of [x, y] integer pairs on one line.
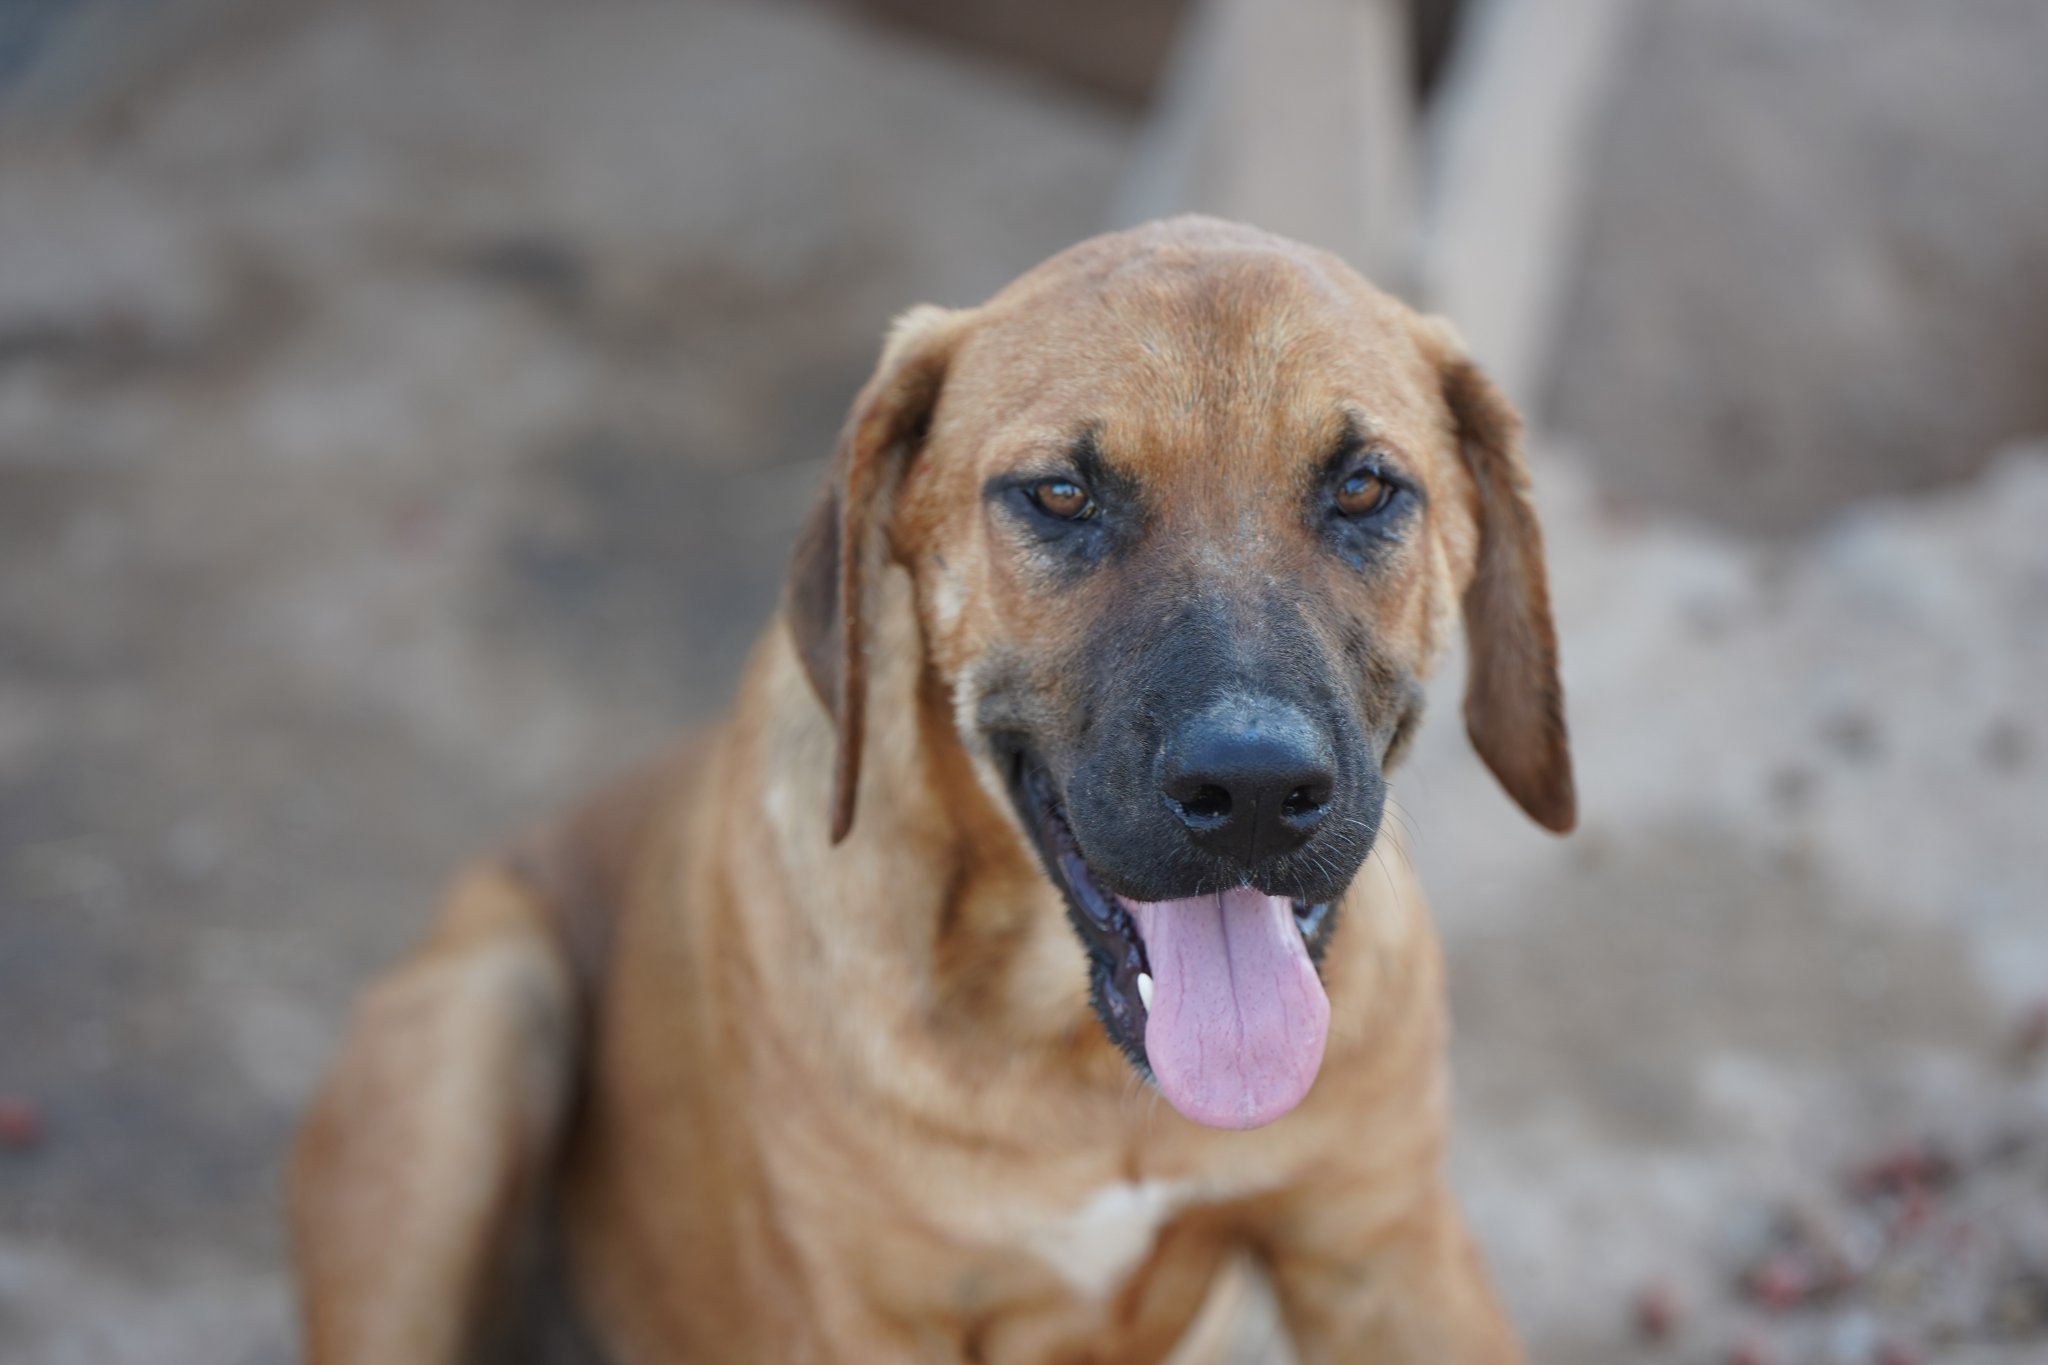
{"points": [[1238, 1016]]}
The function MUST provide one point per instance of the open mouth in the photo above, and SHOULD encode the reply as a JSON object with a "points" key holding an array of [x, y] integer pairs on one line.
{"points": [[1215, 998]]}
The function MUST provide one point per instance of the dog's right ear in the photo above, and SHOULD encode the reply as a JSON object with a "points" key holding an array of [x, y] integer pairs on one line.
{"points": [[827, 595]]}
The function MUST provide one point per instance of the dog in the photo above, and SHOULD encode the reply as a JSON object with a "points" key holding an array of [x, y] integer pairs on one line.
{"points": [[1029, 947]]}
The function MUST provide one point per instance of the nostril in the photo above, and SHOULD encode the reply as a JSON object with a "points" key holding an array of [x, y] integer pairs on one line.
{"points": [[1207, 803], [1302, 801]]}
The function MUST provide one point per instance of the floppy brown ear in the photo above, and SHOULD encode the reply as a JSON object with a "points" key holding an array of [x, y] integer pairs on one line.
{"points": [[1514, 703], [826, 599]]}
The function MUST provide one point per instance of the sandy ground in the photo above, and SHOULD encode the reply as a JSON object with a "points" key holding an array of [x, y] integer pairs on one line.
{"points": [[404, 412]]}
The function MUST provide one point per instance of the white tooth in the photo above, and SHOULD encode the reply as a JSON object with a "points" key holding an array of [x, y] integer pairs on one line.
{"points": [[1145, 989]]}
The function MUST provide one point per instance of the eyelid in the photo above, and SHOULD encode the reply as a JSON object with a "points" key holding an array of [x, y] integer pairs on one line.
{"points": [[1017, 490], [1024, 489], [1039, 490], [1029, 484], [1381, 466]]}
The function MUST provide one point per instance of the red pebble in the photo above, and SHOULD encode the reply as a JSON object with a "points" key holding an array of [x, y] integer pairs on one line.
{"points": [[21, 1124], [1750, 1352], [1915, 1168], [1781, 1281], [1656, 1312]]}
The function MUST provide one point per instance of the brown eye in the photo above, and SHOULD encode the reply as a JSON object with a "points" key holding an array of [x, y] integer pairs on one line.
{"points": [[1063, 498], [1363, 493]]}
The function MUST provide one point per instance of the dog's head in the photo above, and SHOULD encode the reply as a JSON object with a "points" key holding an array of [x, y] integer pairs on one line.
{"points": [[1191, 511]]}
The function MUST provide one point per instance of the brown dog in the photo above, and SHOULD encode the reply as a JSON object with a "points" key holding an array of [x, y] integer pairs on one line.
{"points": [[829, 1039]]}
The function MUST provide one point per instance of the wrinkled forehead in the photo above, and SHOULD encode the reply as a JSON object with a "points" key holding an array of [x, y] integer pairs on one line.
{"points": [[1203, 363]]}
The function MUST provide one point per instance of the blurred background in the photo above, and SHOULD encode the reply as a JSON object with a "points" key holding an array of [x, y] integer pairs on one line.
{"points": [[405, 409]]}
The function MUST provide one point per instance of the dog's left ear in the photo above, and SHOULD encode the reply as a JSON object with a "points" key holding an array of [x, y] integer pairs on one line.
{"points": [[826, 600], [1514, 703]]}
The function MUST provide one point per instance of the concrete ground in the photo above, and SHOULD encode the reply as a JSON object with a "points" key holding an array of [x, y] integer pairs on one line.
{"points": [[404, 411]]}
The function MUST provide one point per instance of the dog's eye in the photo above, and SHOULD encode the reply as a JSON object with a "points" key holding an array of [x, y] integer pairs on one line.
{"points": [[1363, 493], [1063, 498]]}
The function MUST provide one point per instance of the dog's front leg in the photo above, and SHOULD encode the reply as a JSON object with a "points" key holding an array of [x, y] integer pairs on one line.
{"points": [[416, 1177], [1361, 1283]]}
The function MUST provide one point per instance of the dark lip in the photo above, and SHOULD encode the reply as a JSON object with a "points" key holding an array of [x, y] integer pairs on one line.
{"points": [[1116, 952]]}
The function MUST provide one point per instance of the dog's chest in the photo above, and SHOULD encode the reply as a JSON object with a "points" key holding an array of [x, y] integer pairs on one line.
{"points": [[1097, 1245]]}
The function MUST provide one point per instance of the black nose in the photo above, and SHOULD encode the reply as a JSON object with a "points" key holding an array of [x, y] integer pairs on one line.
{"points": [[1249, 777]]}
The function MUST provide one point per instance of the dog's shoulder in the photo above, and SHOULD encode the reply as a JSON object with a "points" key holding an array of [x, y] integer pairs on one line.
{"points": [[584, 867]]}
